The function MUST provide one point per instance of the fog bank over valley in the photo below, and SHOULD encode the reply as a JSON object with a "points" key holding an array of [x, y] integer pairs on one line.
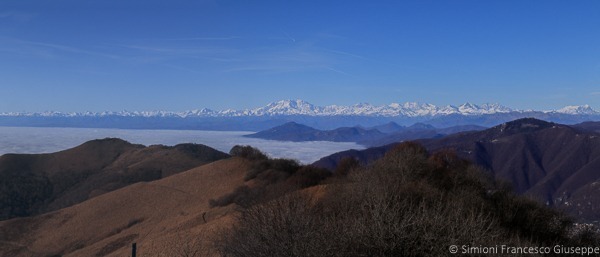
{"points": [[47, 140]]}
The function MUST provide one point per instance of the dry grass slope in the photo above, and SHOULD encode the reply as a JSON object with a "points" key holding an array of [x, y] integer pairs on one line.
{"points": [[39, 183], [408, 203], [153, 214]]}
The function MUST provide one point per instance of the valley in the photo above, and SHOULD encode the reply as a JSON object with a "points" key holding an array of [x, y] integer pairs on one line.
{"points": [[100, 197]]}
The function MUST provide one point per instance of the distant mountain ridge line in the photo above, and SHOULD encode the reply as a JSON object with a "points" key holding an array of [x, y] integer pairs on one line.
{"points": [[554, 163], [300, 107]]}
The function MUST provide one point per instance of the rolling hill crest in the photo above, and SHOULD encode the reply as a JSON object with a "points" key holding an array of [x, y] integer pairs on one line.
{"points": [[32, 184], [554, 163]]}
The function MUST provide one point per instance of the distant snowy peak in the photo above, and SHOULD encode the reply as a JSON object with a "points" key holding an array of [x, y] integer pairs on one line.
{"points": [[473, 109], [413, 109], [300, 107], [286, 107], [578, 110]]}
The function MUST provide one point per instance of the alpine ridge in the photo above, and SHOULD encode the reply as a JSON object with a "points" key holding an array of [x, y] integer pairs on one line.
{"points": [[301, 107]]}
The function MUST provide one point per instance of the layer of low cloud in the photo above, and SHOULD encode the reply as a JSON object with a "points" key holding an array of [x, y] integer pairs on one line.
{"points": [[47, 140]]}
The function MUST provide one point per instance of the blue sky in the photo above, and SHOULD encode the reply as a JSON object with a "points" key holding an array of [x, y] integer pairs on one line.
{"points": [[81, 55]]}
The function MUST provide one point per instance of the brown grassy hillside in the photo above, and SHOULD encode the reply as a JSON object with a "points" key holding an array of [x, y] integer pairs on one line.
{"points": [[161, 216], [408, 203], [32, 184]]}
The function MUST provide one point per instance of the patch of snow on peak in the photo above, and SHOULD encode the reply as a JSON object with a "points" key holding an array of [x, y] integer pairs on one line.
{"points": [[300, 107], [577, 109]]}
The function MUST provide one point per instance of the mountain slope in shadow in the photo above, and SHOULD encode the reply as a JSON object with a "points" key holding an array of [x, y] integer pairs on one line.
{"points": [[32, 184], [416, 204], [588, 125], [296, 132], [374, 136], [556, 164], [160, 216]]}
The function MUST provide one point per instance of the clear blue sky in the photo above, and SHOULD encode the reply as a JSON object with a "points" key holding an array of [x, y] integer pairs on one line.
{"points": [[79, 55]]}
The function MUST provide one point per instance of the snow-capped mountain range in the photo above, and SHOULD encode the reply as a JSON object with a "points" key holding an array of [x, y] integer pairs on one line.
{"points": [[300, 107]]}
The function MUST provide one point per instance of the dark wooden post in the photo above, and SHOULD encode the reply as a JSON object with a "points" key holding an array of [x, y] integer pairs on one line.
{"points": [[133, 249]]}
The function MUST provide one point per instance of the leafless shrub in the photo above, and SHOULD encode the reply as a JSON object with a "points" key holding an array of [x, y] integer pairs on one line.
{"points": [[406, 204], [242, 195], [273, 178], [346, 165], [248, 152], [308, 176], [286, 226]]}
